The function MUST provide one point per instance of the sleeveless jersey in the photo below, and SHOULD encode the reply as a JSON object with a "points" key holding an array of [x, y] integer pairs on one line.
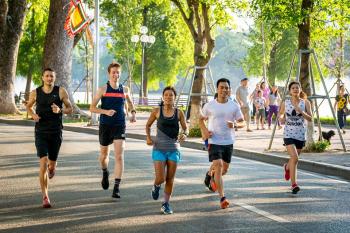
{"points": [[49, 121], [113, 99], [167, 132], [295, 123]]}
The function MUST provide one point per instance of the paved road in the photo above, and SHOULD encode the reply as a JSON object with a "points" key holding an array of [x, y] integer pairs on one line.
{"points": [[260, 198]]}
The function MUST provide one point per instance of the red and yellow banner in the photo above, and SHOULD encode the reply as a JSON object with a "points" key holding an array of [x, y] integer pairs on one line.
{"points": [[76, 19]]}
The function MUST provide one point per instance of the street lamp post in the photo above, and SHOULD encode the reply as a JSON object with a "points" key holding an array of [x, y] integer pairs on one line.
{"points": [[146, 41], [96, 57]]}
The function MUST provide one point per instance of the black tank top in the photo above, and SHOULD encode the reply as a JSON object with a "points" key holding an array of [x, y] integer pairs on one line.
{"points": [[49, 122], [168, 125]]}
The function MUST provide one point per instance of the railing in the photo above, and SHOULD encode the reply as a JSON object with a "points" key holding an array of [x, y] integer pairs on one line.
{"points": [[155, 101]]}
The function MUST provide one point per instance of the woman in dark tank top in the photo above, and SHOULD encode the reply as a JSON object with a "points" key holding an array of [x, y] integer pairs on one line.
{"points": [[166, 152]]}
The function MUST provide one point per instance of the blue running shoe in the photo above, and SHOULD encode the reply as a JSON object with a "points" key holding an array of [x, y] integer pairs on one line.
{"points": [[155, 192], [166, 209]]}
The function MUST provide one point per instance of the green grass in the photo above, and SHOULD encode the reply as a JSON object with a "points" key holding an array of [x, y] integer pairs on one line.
{"points": [[76, 120], [330, 121]]}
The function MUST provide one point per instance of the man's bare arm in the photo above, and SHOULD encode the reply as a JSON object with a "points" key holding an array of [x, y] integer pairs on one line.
{"points": [[95, 100], [30, 104], [68, 109]]}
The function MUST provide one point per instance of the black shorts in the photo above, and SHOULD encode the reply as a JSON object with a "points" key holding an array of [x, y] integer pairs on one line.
{"points": [[108, 133], [291, 141], [48, 144], [223, 152]]}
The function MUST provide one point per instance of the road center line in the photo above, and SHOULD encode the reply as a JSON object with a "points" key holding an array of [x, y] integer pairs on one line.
{"points": [[262, 212]]}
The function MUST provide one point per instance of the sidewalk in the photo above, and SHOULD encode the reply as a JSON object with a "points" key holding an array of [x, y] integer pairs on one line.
{"points": [[251, 145]]}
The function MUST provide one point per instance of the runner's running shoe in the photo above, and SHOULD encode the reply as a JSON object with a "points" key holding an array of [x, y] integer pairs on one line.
{"points": [[46, 202], [50, 172], [166, 209], [224, 203], [155, 192], [286, 172], [105, 181], [207, 180], [116, 193], [295, 188], [212, 185]]}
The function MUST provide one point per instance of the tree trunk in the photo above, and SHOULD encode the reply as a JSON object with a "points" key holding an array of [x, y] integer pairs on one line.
{"points": [[58, 48], [28, 84], [196, 101], [272, 67], [304, 43], [12, 14], [198, 22]]}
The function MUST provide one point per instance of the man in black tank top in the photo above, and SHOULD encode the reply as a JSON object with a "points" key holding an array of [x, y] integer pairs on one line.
{"points": [[48, 99]]}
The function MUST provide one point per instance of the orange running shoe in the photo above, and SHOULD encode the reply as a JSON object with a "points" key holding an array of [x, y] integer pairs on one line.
{"points": [[224, 203], [212, 186]]}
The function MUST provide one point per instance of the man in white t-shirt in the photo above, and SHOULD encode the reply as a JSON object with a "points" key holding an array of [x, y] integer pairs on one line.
{"points": [[221, 114], [243, 99]]}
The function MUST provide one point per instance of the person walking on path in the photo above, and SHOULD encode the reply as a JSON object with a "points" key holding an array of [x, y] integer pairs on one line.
{"points": [[221, 114], [293, 113], [112, 124], [242, 96], [49, 100], [260, 104], [253, 96], [166, 154], [266, 91], [274, 102], [340, 105]]}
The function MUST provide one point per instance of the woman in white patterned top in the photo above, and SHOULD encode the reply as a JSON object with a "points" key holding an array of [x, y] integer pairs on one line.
{"points": [[293, 113]]}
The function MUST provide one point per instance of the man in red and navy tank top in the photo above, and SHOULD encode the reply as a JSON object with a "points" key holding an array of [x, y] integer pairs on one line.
{"points": [[112, 124], [48, 99]]}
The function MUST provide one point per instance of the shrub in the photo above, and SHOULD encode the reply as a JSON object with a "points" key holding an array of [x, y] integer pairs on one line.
{"points": [[195, 132], [319, 146]]}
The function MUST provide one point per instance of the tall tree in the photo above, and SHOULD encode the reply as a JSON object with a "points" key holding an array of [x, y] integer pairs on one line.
{"points": [[166, 57], [307, 16], [58, 46], [279, 47], [12, 15], [31, 47], [201, 16]]}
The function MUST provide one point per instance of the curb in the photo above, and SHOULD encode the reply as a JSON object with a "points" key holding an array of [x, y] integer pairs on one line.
{"points": [[307, 165]]}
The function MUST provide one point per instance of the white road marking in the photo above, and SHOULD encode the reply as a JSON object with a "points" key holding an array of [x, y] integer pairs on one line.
{"points": [[262, 212], [180, 180], [300, 171]]}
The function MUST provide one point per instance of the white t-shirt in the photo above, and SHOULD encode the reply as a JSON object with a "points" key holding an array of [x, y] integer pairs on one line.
{"points": [[243, 93], [260, 102], [218, 114]]}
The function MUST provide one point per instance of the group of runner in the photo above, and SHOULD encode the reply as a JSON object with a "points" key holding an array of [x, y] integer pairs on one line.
{"points": [[217, 122]]}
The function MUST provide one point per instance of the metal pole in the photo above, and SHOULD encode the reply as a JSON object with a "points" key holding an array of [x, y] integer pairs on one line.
{"points": [[329, 101], [96, 57], [182, 86], [190, 92], [283, 99], [142, 70], [315, 102]]}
